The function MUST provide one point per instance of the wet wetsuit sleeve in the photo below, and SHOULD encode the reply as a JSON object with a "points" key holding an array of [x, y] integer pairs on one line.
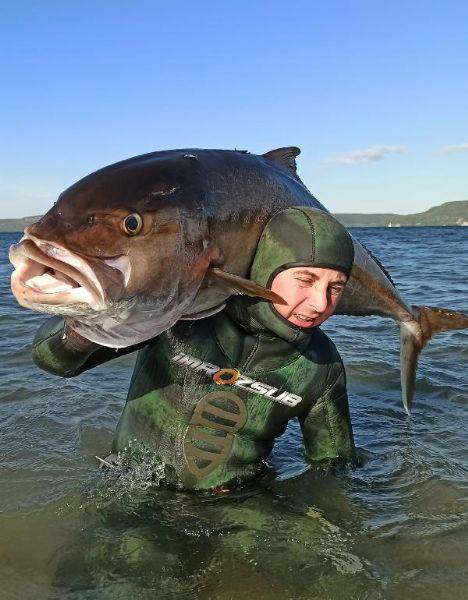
{"points": [[60, 351], [326, 427]]}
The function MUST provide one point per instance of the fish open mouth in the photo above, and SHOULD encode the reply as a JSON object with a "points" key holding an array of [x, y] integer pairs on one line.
{"points": [[48, 275]]}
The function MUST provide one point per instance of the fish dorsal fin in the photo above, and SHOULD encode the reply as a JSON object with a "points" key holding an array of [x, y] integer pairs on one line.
{"points": [[240, 285], [285, 158]]}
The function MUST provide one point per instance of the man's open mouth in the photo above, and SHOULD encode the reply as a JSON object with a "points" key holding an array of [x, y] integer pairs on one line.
{"points": [[305, 318]]}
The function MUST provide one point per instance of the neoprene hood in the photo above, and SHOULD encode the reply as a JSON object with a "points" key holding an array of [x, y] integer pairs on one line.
{"points": [[294, 237], [300, 237]]}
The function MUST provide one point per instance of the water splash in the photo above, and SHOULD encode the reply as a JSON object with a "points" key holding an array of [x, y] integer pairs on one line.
{"points": [[126, 479]]}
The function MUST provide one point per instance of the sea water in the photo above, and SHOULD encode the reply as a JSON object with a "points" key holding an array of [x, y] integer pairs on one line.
{"points": [[396, 527]]}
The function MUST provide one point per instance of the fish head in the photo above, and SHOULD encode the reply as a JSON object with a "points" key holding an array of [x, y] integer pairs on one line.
{"points": [[122, 252]]}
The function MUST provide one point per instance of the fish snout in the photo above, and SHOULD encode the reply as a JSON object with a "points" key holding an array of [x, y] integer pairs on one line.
{"points": [[50, 227], [39, 228]]}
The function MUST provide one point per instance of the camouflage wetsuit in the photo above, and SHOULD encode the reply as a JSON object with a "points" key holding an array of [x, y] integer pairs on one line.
{"points": [[209, 433]]}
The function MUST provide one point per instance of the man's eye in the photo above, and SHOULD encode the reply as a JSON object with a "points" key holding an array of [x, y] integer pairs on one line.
{"points": [[303, 280], [336, 289]]}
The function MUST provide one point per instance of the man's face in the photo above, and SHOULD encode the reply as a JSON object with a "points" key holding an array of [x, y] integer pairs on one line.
{"points": [[311, 293]]}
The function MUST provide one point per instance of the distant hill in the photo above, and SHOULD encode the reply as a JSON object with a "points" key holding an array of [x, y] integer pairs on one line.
{"points": [[447, 214], [15, 225]]}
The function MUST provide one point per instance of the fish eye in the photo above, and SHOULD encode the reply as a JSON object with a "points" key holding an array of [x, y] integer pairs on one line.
{"points": [[132, 224]]}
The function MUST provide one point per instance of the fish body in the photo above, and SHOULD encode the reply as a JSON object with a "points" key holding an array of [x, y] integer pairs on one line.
{"points": [[200, 209], [131, 249]]}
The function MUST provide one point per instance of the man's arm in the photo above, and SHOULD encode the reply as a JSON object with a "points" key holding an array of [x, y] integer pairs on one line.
{"points": [[61, 351], [326, 427]]}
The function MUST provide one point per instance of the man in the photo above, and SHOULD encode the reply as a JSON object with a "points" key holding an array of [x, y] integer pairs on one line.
{"points": [[209, 397]]}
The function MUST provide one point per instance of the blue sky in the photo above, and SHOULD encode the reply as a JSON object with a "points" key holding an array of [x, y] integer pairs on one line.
{"points": [[374, 93]]}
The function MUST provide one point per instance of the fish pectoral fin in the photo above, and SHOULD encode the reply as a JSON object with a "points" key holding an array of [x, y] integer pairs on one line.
{"points": [[240, 285]]}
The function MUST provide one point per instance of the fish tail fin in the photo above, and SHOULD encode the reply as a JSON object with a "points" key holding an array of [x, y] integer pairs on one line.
{"points": [[415, 334]]}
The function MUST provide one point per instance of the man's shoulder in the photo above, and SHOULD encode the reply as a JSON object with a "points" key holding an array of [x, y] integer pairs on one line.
{"points": [[191, 332], [322, 350]]}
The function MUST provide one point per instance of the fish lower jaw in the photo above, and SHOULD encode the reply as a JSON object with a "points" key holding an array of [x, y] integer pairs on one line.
{"points": [[46, 290]]}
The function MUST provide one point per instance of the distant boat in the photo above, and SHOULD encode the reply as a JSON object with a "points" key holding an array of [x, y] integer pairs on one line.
{"points": [[390, 224]]}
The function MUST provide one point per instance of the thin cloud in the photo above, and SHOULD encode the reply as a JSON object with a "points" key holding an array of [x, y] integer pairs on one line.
{"points": [[368, 155], [455, 149]]}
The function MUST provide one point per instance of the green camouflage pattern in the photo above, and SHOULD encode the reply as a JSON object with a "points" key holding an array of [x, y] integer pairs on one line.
{"points": [[207, 434]]}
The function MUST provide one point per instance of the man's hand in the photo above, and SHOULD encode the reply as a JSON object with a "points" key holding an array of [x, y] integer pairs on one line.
{"points": [[76, 340]]}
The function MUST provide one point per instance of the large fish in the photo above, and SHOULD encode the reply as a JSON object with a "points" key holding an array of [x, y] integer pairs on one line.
{"points": [[132, 248]]}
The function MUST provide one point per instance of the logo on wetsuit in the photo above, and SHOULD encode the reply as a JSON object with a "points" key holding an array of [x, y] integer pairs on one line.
{"points": [[209, 438], [237, 380]]}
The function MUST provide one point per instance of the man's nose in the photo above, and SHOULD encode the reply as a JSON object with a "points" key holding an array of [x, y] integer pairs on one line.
{"points": [[318, 299]]}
